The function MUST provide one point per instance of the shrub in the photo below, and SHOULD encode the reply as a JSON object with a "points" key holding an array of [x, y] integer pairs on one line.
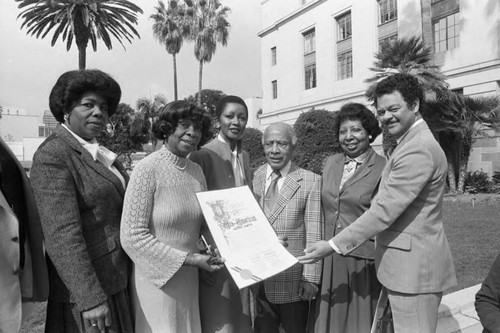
{"points": [[316, 139], [478, 182], [252, 143]]}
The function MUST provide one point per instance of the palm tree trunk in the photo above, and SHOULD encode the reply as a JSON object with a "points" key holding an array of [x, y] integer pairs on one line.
{"points": [[82, 57], [175, 77], [452, 183], [462, 168], [199, 82]]}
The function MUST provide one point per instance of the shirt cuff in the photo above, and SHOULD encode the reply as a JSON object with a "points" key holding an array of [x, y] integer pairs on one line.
{"points": [[334, 247]]}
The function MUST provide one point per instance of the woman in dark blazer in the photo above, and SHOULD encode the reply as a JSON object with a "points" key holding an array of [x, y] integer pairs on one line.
{"points": [[79, 189], [349, 287], [223, 308]]}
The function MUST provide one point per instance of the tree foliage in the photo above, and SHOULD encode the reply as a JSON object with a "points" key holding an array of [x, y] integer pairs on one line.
{"points": [[315, 139], [81, 21], [407, 55], [169, 27], [252, 143], [209, 27], [125, 134], [209, 100], [149, 108]]}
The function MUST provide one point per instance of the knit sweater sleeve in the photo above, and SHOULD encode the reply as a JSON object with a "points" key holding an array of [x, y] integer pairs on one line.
{"points": [[156, 260]]}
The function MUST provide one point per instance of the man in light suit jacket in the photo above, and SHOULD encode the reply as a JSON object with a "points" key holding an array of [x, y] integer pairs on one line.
{"points": [[23, 272], [412, 255], [295, 214]]}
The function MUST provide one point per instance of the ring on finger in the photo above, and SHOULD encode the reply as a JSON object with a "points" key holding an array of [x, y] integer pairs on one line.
{"points": [[94, 325]]}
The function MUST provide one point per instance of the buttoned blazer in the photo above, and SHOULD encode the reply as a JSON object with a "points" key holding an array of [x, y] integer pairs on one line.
{"points": [[215, 161], [412, 254], [30, 281], [80, 203], [343, 206], [297, 214]]}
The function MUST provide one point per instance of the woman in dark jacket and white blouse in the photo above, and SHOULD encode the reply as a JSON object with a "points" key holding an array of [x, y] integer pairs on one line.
{"points": [[79, 188]]}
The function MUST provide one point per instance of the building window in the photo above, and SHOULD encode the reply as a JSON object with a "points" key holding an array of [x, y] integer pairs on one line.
{"points": [[273, 56], [310, 59], [447, 33], [344, 26], [275, 89], [344, 65], [388, 10], [383, 42]]}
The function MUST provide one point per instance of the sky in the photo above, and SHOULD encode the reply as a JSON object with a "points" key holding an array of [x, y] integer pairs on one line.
{"points": [[29, 67]]}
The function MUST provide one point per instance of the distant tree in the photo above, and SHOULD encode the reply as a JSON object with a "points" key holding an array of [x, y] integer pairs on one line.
{"points": [[209, 27], [125, 134], [169, 27], [252, 143], [149, 108], [316, 139], [209, 100], [81, 20]]}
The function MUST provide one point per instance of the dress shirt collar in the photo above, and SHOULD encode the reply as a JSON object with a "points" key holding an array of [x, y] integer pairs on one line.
{"points": [[418, 121], [284, 171], [359, 159]]}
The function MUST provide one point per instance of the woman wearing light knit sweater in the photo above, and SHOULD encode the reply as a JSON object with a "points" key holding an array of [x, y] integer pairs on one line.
{"points": [[161, 224]]}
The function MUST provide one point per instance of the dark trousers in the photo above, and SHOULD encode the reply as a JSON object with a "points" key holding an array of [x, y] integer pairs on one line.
{"points": [[269, 316]]}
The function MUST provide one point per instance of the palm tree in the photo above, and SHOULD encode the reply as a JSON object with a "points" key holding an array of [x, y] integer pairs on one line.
{"points": [[408, 55], [209, 27], [169, 28], [81, 20], [148, 109]]}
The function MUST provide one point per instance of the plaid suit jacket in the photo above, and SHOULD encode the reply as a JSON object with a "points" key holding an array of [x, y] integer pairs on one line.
{"points": [[297, 215]]}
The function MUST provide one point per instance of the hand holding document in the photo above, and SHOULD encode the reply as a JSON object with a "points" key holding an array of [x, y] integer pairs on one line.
{"points": [[243, 235]]}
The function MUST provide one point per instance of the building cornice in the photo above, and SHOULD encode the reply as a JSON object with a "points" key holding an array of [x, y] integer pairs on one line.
{"points": [[317, 103], [275, 26], [479, 67]]}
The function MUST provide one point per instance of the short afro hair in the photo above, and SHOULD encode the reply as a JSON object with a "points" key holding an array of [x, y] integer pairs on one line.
{"points": [[170, 114], [357, 111], [70, 87], [407, 85]]}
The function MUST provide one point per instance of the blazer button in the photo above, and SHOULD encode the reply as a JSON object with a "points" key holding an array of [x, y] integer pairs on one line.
{"points": [[15, 239], [339, 226]]}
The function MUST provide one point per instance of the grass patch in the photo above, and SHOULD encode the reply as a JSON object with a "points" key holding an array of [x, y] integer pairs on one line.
{"points": [[472, 226]]}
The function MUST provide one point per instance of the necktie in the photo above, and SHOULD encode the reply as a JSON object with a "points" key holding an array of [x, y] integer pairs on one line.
{"points": [[272, 192], [239, 178], [101, 154]]}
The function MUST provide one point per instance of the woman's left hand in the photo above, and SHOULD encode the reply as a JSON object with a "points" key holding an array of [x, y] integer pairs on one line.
{"points": [[98, 317], [317, 251]]}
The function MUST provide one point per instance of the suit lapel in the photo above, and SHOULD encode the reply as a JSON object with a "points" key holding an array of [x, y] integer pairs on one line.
{"points": [[362, 171], [89, 160], [290, 185]]}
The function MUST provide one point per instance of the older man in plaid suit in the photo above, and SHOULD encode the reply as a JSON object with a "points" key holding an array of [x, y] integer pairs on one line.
{"points": [[291, 199]]}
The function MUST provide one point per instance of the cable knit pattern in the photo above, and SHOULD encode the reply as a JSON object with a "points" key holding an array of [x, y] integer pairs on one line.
{"points": [[162, 218]]}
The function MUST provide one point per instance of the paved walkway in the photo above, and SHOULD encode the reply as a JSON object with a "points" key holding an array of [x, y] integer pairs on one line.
{"points": [[457, 312]]}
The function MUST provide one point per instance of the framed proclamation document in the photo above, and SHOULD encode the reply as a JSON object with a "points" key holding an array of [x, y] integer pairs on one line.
{"points": [[243, 235]]}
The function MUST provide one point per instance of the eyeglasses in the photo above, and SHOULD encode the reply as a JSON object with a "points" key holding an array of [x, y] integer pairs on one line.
{"points": [[280, 144]]}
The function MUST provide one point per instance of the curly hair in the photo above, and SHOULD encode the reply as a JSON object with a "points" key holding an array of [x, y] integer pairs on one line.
{"points": [[407, 85], [170, 114], [226, 100], [70, 87], [357, 111]]}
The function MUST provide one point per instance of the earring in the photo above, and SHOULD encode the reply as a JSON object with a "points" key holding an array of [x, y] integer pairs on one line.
{"points": [[66, 116], [369, 137]]}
